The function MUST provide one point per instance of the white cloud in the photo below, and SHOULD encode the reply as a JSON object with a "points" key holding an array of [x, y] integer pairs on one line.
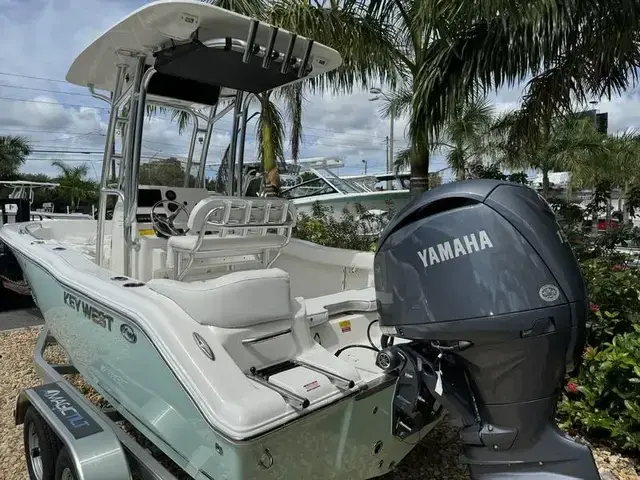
{"points": [[40, 38]]}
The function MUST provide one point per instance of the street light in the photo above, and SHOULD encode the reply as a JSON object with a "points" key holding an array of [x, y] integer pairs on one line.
{"points": [[378, 94]]}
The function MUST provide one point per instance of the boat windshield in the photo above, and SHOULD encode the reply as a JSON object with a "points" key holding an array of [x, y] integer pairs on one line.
{"points": [[310, 188], [342, 185]]}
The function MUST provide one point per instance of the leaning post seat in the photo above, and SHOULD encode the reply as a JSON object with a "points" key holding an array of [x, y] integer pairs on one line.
{"points": [[221, 227], [267, 333], [240, 306]]}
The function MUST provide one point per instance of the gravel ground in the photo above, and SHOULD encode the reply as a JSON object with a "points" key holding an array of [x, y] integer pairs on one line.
{"points": [[435, 458]]}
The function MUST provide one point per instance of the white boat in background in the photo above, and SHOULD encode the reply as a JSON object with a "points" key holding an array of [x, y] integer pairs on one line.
{"points": [[238, 352], [23, 189], [311, 180], [340, 192]]}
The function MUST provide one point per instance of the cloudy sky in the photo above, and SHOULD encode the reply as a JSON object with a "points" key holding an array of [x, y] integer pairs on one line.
{"points": [[40, 38]]}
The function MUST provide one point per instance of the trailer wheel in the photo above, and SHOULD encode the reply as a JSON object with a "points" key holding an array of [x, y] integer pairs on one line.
{"points": [[65, 469], [41, 446]]}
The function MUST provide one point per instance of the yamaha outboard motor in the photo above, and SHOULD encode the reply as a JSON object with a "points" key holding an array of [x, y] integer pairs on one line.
{"points": [[478, 279]]}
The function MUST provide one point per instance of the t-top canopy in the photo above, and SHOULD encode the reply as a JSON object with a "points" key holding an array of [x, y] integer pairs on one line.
{"points": [[198, 43]]}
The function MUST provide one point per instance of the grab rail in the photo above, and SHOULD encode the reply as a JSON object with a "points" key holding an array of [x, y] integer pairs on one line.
{"points": [[291, 398], [264, 338]]}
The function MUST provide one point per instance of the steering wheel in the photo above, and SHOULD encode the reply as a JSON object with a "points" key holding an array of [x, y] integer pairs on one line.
{"points": [[164, 225]]}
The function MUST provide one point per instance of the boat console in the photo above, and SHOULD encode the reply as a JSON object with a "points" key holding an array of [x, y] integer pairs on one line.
{"points": [[149, 195], [478, 277]]}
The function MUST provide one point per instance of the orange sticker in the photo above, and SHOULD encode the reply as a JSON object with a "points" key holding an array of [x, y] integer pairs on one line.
{"points": [[345, 326]]}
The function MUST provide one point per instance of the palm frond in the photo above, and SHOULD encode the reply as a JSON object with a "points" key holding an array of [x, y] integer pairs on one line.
{"points": [[270, 133], [251, 8], [573, 49], [63, 167], [293, 96], [351, 30], [13, 153], [398, 103], [402, 160]]}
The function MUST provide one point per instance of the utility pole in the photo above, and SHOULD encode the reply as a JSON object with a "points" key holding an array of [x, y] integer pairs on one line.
{"points": [[390, 161], [389, 140]]}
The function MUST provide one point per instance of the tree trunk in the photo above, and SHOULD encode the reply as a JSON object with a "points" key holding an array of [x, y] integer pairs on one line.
{"points": [[419, 179], [272, 183], [626, 214], [545, 184], [269, 160]]}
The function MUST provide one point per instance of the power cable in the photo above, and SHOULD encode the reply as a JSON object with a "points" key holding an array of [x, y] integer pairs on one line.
{"points": [[18, 87]]}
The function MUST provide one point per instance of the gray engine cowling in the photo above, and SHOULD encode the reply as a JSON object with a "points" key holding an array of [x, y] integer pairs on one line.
{"points": [[479, 277]]}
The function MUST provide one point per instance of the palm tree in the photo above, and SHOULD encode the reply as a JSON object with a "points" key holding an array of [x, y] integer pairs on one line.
{"points": [[13, 154], [617, 165], [465, 138], [381, 41], [564, 144], [568, 51], [73, 183]]}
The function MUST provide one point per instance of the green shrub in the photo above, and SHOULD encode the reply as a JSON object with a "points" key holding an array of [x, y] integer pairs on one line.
{"points": [[614, 295], [603, 401], [353, 231]]}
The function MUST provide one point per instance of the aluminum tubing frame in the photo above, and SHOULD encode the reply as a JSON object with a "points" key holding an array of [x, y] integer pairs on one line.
{"points": [[111, 130], [243, 133], [234, 143]]}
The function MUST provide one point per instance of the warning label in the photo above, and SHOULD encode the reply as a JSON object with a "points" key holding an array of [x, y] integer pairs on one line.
{"points": [[311, 386], [345, 326]]}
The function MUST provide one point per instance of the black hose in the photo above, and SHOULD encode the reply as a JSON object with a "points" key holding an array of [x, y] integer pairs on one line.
{"points": [[369, 335], [339, 351]]}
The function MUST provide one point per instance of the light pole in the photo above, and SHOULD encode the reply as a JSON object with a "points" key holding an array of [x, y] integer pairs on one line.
{"points": [[365, 166], [379, 93]]}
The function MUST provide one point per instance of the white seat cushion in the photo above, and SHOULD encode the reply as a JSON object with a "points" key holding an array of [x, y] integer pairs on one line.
{"points": [[230, 242], [235, 300], [319, 309]]}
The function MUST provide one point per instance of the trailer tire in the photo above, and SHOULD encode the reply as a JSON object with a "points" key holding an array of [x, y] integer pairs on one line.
{"points": [[65, 469], [41, 446]]}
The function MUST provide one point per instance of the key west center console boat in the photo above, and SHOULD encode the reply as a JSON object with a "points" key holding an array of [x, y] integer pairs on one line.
{"points": [[239, 352]]}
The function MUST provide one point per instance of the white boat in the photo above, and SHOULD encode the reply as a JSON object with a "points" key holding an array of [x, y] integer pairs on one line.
{"points": [[23, 189], [237, 351], [333, 191], [327, 188]]}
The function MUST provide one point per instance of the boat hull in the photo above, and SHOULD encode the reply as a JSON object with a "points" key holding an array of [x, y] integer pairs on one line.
{"points": [[384, 201], [122, 364]]}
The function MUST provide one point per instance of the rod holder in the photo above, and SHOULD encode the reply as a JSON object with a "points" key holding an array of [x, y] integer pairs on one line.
{"points": [[305, 59], [288, 54], [266, 61], [251, 38]]}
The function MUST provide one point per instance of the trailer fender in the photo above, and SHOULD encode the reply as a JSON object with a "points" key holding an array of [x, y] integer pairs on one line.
{"points": [[83, 431]]}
